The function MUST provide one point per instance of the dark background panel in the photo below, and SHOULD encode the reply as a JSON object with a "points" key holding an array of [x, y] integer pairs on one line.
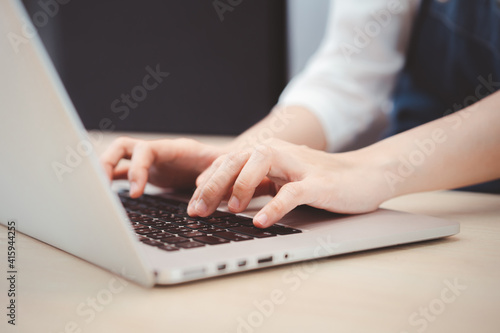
{"points": [[223, 75]]}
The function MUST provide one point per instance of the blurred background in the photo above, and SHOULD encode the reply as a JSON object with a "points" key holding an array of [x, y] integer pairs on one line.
{"points": [[227, 61]]}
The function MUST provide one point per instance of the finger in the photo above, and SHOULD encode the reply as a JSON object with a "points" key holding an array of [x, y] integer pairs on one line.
{"points": [[288, 197], [200, 182], [209, 186], [202, 179], [250, 177], [120, 148], [121, 171], [208, 172], [210, 194], [266, 187], [142, 158]]}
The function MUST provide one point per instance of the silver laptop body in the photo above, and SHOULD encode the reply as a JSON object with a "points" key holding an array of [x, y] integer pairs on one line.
{"points": [[53, 187]]}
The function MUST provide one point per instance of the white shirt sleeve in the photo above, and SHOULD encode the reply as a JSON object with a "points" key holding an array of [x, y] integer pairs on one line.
{"points": [[348, 83]]}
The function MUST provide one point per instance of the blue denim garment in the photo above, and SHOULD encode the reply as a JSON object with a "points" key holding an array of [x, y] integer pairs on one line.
{"points": [[453, 61]]}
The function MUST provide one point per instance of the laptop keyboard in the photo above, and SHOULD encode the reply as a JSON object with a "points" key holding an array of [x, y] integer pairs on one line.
{"points": [[165, 224]]}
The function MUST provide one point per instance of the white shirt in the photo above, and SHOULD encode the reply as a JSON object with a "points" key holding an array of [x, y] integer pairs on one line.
{"points": [[348, 83]]}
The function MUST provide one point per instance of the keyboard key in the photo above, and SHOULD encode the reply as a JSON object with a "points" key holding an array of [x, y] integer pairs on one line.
{"points": [[171, 222], [135, 208], [146, 231], [227, 224], [151, 242], [183, 230], [218, 213], [175, 240], [282, 230], [190, 245], [211, 230], [138, 227], [162, 224], [211, 240], [195, 226], [166, 216], [228, 220], [147, 222], [211, 220], [150, 211], [246, 221], [177, 229], [184, 221], [160, 235], [191, 234], [233, 236], [168, 248], [172, 210], [252, 231]]}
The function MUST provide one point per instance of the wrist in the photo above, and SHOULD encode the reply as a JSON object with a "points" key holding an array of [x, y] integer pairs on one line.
{"points": [[381, 166], [401, 169]]}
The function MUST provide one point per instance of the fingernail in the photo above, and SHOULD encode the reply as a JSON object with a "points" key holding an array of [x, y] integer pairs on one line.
{"points": [[201, 206], [190, 209], [191, 206], [234, 202], [260, 220]]}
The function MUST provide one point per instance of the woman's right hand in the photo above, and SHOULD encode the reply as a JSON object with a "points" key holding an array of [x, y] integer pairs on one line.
{"points": [[164, 163]]}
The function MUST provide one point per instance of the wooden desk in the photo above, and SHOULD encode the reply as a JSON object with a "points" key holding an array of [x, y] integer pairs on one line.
{"points": [[400, 289]]}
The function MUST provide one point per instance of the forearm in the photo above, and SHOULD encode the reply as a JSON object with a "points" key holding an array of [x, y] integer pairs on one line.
{"points": [[454, 151], [294, 124]]}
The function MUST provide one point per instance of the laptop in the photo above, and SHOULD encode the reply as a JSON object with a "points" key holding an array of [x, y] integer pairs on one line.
{"points": [[149, 240]]}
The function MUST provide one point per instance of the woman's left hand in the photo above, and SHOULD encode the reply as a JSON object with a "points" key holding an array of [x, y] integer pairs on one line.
{"points": [[350, 182]]}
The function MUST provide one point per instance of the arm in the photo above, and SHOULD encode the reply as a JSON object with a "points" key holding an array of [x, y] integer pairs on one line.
{"points": [[346, 86], [348, 83], [294, 124], [458, 150]]}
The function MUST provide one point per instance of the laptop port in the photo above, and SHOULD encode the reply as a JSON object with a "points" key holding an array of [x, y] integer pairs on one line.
{"points": [[221, 267], [194, 273], [242, 263], [265, 259]]}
